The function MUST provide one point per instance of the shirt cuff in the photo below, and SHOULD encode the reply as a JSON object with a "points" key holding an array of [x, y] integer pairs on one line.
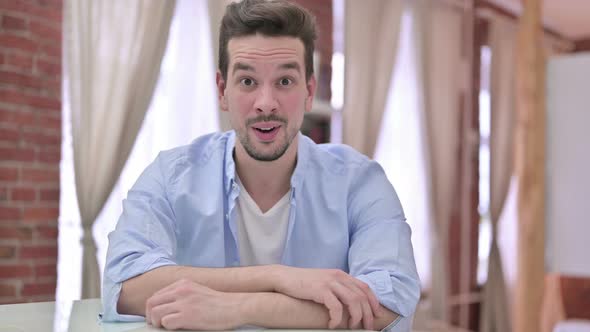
{"points": [[382, 286], [112, 291]]}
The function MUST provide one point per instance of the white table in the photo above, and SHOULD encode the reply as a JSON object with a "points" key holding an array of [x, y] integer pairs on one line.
{"points": [[39, 317]]}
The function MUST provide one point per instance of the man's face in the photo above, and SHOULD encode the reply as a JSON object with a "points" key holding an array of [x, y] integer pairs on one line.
{"points": [[266, 93]]}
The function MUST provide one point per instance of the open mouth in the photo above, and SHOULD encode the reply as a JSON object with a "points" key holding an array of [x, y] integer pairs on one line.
{"points": [[266, 130], [266, 133]]}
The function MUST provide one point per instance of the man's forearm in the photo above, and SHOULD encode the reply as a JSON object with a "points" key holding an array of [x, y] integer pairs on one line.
{"points": [[137, 290], [275, 310]]}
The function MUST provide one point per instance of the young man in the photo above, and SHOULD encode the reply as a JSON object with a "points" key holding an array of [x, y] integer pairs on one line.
{"points": [[259, 225]]}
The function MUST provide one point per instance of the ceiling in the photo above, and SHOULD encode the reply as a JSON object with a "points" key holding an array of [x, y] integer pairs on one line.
{"points": [[569, 18]]}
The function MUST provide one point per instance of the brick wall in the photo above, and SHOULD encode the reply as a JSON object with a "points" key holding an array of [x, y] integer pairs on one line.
{"points": [[322, 10], [30, 136]]}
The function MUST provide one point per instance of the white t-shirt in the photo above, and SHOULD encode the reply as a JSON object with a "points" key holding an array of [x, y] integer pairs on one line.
{"points": [[261, 236]]}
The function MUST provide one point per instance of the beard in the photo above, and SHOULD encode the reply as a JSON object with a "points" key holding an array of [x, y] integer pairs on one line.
{"points": [[278, 151]]}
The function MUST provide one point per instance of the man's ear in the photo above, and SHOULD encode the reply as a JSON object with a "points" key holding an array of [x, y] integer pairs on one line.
{"points": [[221, 91], [311, 86]]}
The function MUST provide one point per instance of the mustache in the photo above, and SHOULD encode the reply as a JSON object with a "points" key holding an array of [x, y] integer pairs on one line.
{"points": [[265, 118]]}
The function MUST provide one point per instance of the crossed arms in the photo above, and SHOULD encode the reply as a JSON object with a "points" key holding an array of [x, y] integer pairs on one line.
{"points": [[271, 296]]}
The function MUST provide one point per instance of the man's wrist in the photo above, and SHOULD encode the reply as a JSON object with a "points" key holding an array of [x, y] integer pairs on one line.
{"points": [[274, 275], [246, 306]]}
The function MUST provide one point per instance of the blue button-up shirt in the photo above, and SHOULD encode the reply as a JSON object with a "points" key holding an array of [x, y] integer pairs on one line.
{"points": [[344, 214]]}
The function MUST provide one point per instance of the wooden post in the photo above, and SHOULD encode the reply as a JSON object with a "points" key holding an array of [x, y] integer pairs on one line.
{"points": [[530, 168]]}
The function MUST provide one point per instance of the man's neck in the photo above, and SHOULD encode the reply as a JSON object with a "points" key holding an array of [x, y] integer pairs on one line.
{"points": [[266, 181]]}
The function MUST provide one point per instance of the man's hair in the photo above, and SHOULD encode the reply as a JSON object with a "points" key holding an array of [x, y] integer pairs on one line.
{"points": [[269, 18]]}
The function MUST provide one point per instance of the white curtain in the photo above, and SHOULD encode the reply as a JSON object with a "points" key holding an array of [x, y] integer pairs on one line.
{"points": [[439, 33], [114, 51], [371, 38], [401, 148], [184, 107], [502, 44], [216, 11]]}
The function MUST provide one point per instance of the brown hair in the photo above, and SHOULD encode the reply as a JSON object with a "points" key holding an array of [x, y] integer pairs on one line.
{"points": [[269, 18]]}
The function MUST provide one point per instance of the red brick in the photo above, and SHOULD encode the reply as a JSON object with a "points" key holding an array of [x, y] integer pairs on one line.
{"points": [[48, 68], [20, 80], [9, 135], [15, 271], [17, 154], [20, 61], [2, 58], [41, 139], [18, 118], [13, 23], [45, 32], [13, 300], [7, 290], [8, 173], [45, 270], [45, 251], [52, 50], [40, 213], [7, 251], [3, 194], [9, 213], [16, 233], [49, 156], [40, 175], [22, 194], [37, 288], [49, 195], [17, 42], [48, 121], [18, 97], [34, 8], [57, 4], [47, 232]]}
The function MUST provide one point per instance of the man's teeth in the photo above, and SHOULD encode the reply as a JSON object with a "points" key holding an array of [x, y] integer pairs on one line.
{"points": [[266, 129]]}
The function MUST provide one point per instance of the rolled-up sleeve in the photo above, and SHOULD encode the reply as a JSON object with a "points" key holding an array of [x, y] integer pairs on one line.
{"points": [[144, 239], [381, 253]]}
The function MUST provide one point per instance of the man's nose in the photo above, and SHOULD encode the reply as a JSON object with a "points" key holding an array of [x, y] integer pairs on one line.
{"points": [[266, 101]]}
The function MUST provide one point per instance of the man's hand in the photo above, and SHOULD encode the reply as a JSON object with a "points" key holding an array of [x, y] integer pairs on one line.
{"points": [[188, 305], [333, 289]]}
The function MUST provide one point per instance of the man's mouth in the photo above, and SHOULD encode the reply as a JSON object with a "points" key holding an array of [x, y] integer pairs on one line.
{"points": [[266, 132], [266, 129]]}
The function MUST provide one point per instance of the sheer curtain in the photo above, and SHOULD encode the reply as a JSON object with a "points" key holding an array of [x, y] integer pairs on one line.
{"points": [[184, 107], [371, 40], [401, 147], [113, 52]]}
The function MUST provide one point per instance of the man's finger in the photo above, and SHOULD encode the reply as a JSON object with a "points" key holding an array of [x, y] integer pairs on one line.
{"points": [[172, 321], [159, 299], [352, 301], [368, 314], [334, 309], [160, 311], [373, 301]]}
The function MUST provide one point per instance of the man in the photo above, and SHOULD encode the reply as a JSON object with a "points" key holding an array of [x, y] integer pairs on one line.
{"points": [[259, 225]]}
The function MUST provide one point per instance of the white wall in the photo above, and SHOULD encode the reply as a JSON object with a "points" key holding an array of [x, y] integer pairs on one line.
{"points": [[568, 165]]}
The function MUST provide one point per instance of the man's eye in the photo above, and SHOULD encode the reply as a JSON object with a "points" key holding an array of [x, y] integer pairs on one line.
{"points": [[285, 81], [247, 81]]}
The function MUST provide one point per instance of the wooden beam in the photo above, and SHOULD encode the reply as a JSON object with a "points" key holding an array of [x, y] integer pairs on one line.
{"points": [[530, 168]]}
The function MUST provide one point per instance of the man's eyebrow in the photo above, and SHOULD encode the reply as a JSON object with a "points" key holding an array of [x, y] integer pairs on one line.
{"points": [[290, 65], [242, 66]]}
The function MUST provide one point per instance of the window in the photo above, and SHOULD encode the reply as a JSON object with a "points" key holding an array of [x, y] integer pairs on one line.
{"points": [[184, 106]]}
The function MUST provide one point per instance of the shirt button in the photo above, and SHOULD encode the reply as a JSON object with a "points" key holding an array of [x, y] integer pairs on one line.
{"points": [[227, 216]]}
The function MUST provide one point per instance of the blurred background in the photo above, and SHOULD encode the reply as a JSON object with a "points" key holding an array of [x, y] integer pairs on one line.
{"points": [[476, 109]]}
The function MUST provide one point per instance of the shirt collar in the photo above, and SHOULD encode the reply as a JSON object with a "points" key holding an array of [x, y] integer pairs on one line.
{"points": [[298, 174]]}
